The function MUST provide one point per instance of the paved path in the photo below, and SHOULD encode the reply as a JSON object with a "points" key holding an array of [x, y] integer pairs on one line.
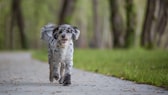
{"points": [[22, 75]]}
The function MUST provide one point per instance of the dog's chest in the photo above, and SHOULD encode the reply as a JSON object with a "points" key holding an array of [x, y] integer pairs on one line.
{"points": [[59, 54], [62, 54]]}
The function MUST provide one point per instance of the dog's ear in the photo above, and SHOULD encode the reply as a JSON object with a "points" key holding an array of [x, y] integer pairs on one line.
{"points": [[55, 32], [75, 33]]}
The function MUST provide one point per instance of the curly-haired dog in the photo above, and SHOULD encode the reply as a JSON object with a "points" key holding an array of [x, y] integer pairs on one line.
{"points": [[60, 50]]}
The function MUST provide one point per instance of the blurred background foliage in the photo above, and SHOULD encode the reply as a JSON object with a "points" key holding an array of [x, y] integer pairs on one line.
{"points": [[103, 23]]}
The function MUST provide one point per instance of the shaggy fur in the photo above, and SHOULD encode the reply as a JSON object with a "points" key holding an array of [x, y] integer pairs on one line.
{"points": [[60, 50]]}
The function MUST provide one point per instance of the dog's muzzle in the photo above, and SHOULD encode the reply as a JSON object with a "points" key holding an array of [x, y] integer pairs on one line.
{"points": [[63, 39]]}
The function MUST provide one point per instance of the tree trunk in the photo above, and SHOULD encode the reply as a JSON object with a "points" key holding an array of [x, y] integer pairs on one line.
{"points": [[20, 23], [117, 24], [82, 24], [66, 11], [162, 20], [97, 41], [155, 23], [131, 24], [17, 16], [146, 38], [82, 41], [11, 41], [7, 32]]}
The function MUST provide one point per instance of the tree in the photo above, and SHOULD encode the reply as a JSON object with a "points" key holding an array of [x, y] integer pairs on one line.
{"points": [[162, 20], [131, 23], [81, 15], [117, 24], [17, 16], [97, 39], [155, 23], [146, 36], [66, 11]]}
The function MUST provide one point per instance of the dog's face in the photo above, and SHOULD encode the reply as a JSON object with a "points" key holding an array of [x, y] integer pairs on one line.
{"points": [[64, 33]]}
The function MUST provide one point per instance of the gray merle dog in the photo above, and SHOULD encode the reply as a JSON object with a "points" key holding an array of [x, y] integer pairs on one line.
{"points": [[60, 50]]}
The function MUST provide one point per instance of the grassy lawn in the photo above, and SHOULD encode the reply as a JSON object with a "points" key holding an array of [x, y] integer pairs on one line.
{"points": [[141, 66]]}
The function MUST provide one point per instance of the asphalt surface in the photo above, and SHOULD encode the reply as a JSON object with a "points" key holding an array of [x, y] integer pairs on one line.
{"points": [[22, 75]]}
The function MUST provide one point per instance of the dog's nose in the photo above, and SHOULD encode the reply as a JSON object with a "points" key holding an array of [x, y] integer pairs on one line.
{"points": [[63, 36]]}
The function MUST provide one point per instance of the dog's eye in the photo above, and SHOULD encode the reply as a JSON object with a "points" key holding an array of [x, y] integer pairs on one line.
{"points": [[69, 31], [60, 32]]}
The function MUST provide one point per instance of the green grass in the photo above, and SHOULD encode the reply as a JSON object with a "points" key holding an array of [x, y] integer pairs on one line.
{"points": [[141, 66]]}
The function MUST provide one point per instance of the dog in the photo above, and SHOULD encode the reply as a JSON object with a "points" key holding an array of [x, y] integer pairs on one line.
{"points": [[60, 50]]}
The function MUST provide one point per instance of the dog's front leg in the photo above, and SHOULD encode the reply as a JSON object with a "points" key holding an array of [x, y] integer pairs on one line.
{"points": [[51, 72], [56, 70], [67, 75], [51, 66]]}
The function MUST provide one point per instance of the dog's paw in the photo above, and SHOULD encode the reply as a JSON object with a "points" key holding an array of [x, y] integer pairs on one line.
{"points": [[67, 80], [51, 78], [61, 80], [56, 76]]}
